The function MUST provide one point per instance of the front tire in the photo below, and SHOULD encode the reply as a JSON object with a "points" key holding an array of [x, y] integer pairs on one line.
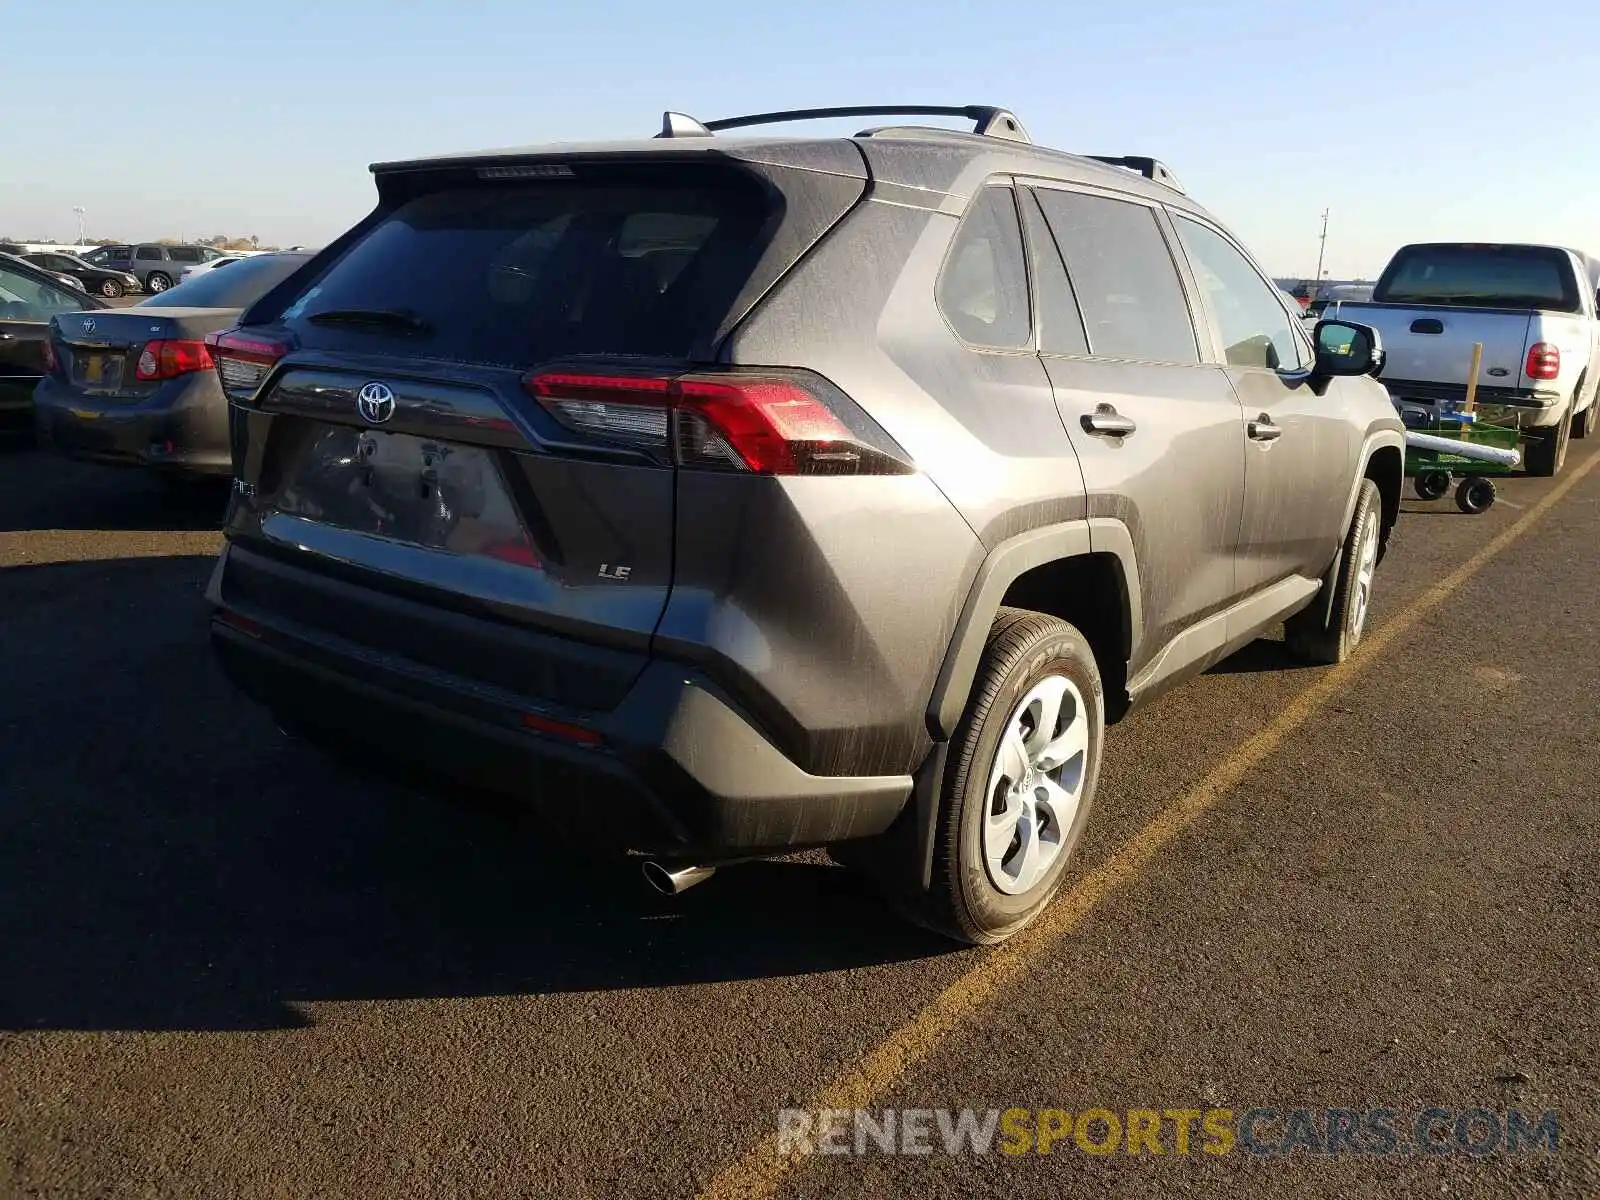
{"points": [[110, 289], [1019, 784], [1584, 423], [1306, 636], [157, 282]]}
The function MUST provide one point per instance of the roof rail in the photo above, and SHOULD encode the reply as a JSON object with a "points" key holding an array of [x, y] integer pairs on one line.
{"points": [[986, 119], [1151, 168]]}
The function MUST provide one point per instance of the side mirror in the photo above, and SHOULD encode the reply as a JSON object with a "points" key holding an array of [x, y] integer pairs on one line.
{"points": [[1345, 348]]}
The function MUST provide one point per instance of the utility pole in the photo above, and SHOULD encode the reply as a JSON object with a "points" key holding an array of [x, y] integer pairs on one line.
{"points": [[1322, 246], [82, 229]]}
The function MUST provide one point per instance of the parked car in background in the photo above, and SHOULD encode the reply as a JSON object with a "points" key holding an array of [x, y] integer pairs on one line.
{"points": [[156, 266], [137, 385], [728, 496], [194, 269], [103, 281], [69, 281], [29, 298], [1534, 310]]}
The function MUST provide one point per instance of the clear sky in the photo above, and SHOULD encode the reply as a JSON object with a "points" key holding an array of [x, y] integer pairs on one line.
{"points": [[1409, 119]]}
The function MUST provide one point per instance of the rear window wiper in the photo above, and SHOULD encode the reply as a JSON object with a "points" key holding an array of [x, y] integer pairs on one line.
{"points": [[373, 318]]}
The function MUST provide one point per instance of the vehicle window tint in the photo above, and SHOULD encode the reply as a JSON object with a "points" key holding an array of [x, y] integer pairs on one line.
{"points": [[23, 298], [1256, 329], [1481, 276], [1060, 322], [983, 288], [1124, 277], [148, 253], [184, 254], [241, 285], [641, 260]]}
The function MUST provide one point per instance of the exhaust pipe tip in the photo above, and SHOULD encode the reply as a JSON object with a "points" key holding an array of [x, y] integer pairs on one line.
{"points": [[674, 881]]}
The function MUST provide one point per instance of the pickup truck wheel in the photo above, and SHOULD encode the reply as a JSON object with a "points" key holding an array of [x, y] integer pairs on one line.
{"points": [[1545, 453], [1583, 424], [1306, 636], [1019, 783]]}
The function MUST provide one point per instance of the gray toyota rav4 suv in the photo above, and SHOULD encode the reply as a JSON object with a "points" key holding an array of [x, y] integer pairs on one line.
{"points": [[726, 496]]}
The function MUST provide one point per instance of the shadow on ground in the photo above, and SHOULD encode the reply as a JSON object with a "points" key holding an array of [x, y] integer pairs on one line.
{"points": [[168, 860], [42, 491]]}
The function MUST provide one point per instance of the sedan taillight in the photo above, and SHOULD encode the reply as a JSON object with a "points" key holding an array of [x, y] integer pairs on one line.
{"points": [[167, 359]]}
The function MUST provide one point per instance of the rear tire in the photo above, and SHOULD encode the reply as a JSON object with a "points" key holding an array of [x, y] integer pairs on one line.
{"points": [[1430, 485], [1010, 813], [111, 289], [157, 282], [1545, 454], [1305, 635]]}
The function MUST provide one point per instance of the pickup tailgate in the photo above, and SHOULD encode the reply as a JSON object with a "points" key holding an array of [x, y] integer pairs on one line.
{"points": [[1434, 344]]}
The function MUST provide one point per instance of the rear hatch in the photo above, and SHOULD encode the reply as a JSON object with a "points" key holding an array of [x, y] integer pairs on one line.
{"points": [[1442, 299], [406, 493]]}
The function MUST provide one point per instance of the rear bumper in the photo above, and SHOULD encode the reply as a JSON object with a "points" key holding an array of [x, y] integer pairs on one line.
{"points": [[181, 426], [673, 770], [1518, 408]]}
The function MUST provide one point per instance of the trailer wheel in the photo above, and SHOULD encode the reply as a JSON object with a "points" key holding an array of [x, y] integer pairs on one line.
{"points": [[1475, 495], [1430, 485]]}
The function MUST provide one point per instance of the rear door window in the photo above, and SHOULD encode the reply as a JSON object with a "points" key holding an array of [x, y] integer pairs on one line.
{"points": [[517, 274], [1124, 277], [1481, 277], [983, 287], [149, 254], [184, 254]]}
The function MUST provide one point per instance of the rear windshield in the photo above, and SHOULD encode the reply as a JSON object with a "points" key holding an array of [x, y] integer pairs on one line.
{"points": [[1481, 276], [519, 273], [237, 285]]}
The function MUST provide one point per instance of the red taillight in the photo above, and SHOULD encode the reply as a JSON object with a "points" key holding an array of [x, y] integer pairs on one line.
{"points": [[765, 424], [51, 363], [561, 729], [168, 359], [1544, 361], [243, 361]]}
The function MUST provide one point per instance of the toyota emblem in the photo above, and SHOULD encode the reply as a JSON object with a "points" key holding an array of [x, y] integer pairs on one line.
{"points": [[88, 324], [375, 403]]}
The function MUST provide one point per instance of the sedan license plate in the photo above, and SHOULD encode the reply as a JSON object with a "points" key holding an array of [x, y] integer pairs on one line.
{"points": [[100, 370]]}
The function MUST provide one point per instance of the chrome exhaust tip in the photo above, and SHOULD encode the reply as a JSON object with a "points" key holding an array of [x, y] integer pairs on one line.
{"points": [[673, 881]]}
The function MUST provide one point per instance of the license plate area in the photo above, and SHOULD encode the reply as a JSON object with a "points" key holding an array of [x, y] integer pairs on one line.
{"points": [[438, 496], [97, 370]]}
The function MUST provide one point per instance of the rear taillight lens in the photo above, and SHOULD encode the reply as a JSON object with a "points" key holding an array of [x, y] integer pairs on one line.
{"points": [[169, 358], [243, 361], [788, 423], [1544, 361], [51, 363]]}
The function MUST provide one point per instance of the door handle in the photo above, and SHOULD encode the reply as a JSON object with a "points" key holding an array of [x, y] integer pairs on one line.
{"points": [[1263, 430], [1107, 420]]}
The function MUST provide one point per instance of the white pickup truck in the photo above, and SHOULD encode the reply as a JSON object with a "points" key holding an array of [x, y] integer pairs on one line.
{"points": [[1533, 308]]}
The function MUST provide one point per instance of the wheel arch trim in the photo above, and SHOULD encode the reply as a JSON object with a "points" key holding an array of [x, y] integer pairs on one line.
{"points": [[1004, 565]]}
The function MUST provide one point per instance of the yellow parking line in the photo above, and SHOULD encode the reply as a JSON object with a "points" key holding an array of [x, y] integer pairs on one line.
{"points": [[762, 1168]]}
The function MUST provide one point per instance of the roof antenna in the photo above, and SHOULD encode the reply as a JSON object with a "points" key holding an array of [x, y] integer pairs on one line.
{"points": [[677, 124]]}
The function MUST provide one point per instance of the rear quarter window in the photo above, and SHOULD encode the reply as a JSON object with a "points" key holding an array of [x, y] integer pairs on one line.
{"points": [[517, 274], [1481, 277]]}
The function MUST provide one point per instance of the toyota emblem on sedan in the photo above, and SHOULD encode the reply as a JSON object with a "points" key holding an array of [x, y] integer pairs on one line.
{"points": [[375, 403], [88, 324]]}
